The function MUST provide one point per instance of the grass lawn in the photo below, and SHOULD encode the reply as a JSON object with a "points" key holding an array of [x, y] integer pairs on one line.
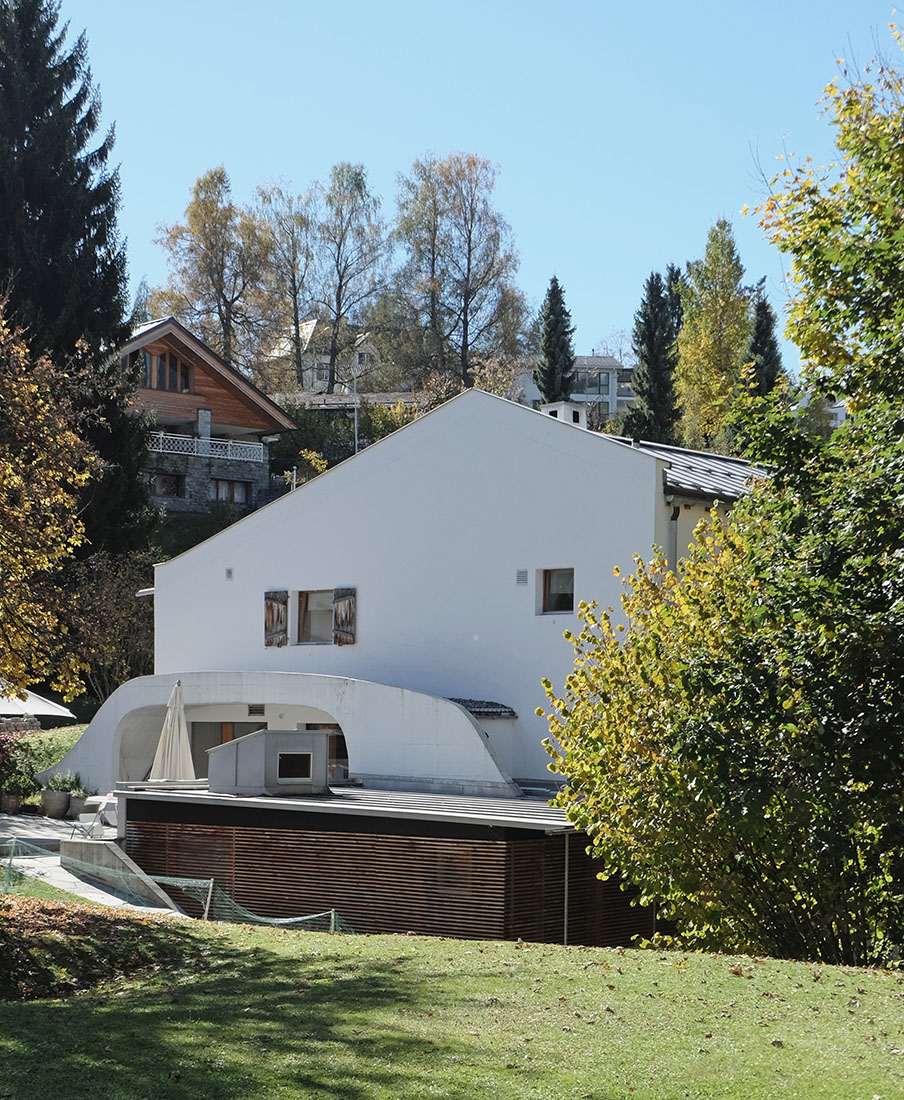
{"points": [[25, 886], [231, 1012]]}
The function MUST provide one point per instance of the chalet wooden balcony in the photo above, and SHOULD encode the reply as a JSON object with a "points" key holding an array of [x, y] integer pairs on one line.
{"points": [[164, 443]]}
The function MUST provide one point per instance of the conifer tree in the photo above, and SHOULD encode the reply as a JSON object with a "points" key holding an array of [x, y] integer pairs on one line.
{"points": [[763, 350], [554, 374], [62, 263], [59, 244], [655, 413]]}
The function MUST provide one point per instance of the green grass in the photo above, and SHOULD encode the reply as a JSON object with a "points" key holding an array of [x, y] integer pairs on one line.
{"points": [[25, 886], [237, 1012]]}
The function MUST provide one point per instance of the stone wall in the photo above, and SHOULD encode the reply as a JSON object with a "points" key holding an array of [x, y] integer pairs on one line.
{"points": [[197, 473]]}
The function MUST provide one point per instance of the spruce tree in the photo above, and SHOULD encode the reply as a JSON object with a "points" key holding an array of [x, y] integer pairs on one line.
{"points": [[655, 412], [763, 350], [59, 243], [62, 263], [554, 374]]}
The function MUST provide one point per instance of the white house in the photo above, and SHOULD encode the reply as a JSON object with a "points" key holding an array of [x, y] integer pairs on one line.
{"points": [[599, 380], [410, 600]]}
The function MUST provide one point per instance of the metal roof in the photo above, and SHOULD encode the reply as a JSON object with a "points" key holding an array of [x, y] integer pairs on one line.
{"points": [[509, 813], [699, 473], [485, 708]]}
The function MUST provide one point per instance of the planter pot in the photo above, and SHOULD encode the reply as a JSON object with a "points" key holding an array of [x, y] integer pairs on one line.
{"points": [[54, 803], [10, 803], [76, 806]]}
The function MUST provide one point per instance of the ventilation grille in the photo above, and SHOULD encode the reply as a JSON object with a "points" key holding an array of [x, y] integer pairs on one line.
{"points": [[255, 710], [521, 576]]}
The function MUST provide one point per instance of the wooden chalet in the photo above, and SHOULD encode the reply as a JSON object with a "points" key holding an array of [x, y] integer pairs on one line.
{"points": [[213, 422]]}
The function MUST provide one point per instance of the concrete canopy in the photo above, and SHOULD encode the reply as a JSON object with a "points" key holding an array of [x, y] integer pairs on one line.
{"points": [[396, 738]]}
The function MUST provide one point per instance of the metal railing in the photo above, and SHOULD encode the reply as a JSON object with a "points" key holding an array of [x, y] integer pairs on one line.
{"points": [[164, 443]]}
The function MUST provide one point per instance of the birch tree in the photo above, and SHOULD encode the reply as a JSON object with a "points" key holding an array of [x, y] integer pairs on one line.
{"points": [[461, 261], [353, 249]]}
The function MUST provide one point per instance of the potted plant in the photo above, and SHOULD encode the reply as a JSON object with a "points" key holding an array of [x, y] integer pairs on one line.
{"points": [[78, 797], [11, 797], [56, 792]]}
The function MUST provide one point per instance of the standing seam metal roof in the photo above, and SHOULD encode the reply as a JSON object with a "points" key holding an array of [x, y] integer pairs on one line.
{"points": [[699, 473]]}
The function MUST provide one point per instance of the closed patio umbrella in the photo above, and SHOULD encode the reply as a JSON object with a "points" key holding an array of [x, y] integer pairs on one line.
{"points": [[12, 706], [173, 758]]}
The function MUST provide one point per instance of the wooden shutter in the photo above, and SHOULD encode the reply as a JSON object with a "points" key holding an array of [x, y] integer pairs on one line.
{"points": [[276, 618], [345, 616]]}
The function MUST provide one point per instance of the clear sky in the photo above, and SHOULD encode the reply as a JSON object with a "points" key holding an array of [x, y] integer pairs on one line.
{"points": [[621, 130]]}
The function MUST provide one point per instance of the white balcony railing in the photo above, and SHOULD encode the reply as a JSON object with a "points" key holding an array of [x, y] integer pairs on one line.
{"points": [[206, 448]]}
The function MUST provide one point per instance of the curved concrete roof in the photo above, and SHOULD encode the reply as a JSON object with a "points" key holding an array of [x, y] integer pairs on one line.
{"points": [[396, 738]]}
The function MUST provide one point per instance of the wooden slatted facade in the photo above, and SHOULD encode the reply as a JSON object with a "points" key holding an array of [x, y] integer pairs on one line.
{"points": [[229, 401], [388, 875]]}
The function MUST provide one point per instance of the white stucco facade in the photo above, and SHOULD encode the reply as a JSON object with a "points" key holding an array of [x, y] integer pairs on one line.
{"points": [[445, 531], [431, 527]]}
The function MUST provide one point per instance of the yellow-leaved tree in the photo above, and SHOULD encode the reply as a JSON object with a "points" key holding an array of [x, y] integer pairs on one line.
{"points": [[43, 465]]}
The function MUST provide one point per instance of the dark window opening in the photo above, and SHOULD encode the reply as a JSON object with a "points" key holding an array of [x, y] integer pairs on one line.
{"points": [[558, 590], [294, 765]]}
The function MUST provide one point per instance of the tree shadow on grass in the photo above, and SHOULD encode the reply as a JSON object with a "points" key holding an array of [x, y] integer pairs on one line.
{"points": [[231, 1024]]}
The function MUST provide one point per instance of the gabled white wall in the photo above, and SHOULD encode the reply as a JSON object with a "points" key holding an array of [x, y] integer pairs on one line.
{"points": [[430, 526]]}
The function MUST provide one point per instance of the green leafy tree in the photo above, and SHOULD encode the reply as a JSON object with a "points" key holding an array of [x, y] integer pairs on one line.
{"points": [[837, 226], [655, 413], [713, 338], [739, 755], [62, 263], [554, 373], [763, 352], [111, 632]]}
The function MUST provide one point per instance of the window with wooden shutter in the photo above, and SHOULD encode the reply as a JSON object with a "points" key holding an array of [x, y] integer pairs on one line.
{"points": [[345, 615]]}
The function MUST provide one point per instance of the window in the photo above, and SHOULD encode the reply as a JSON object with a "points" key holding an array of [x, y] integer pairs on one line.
{"points": [[161, 372], [322, 616], [592, 381], [233, 492], [293, 766], [558, 591], [167, 485], [315, 617]]}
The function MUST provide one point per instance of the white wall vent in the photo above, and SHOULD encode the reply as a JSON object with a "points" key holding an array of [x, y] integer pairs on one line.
{"points": [[521, 576], [255, 710]]}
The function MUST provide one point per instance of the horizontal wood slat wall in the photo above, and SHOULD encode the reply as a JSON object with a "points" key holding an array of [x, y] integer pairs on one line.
{"points": [[442, 886], [431, 886]]}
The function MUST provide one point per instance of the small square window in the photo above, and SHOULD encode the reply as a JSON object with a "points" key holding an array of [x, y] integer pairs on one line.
{"points": [[293, 766], [558, 591]]}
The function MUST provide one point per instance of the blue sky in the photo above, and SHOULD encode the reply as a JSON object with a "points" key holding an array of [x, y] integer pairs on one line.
{"points": [[621, 130]]}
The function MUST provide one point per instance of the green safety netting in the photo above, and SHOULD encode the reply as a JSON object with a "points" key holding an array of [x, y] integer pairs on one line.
{"points": [[21, 863]]}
